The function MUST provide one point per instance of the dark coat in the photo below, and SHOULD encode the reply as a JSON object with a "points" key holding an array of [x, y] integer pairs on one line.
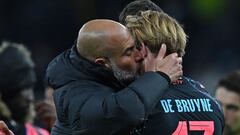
{"points": [[91, 101]]}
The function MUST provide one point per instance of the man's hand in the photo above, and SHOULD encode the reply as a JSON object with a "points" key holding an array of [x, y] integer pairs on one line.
{"points": [[170, 65], [4, 129]]}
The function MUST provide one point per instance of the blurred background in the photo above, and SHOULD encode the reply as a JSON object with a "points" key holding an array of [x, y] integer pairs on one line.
{"points": [[47, 27]]}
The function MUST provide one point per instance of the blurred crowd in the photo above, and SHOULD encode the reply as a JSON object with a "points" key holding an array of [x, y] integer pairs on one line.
{"points": [[48, 27]]}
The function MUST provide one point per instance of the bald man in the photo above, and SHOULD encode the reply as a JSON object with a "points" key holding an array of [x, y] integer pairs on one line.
{"points": [[98, 90]]}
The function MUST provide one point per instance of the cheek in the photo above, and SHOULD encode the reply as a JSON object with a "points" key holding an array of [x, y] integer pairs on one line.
{"points": [[238, 115], [231, 116], [127, 64]]}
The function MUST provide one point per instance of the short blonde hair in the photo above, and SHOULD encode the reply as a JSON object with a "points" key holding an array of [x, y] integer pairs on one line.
{"points": [[154, 28]]}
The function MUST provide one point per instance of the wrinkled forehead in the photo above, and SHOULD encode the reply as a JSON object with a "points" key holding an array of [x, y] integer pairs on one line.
{"points": [[120, 42]]}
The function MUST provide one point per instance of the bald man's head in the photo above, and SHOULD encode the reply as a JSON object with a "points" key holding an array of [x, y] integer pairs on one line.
{"points": [[110, 44], [100, 37]]}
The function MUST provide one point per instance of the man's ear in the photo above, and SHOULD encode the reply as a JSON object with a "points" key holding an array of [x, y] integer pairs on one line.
{"points": [[103, 61]]}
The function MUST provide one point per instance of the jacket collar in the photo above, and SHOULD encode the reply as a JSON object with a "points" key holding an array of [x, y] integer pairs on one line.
{"points": [[93, 71]]}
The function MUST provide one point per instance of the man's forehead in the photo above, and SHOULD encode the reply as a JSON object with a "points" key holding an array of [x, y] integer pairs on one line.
{"points": [[121, 42], [129, 42], [227, 96]]}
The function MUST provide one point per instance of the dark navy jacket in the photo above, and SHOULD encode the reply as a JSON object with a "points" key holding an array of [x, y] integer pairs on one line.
{"points": [[186, 109], [90, 101]]}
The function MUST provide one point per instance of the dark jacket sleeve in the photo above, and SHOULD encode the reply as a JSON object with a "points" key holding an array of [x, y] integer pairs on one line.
{"points": [[105, 111]]}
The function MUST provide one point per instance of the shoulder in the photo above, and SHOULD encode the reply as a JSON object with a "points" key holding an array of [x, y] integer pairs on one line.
{"points": [[196, 84], [58, 59]]}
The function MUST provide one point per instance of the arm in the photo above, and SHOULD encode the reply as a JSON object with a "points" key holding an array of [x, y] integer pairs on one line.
{"points": [[101, 110], [131, 106]]}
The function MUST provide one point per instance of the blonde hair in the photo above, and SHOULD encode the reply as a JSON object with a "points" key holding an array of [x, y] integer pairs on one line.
{"points": [[155, 28]]}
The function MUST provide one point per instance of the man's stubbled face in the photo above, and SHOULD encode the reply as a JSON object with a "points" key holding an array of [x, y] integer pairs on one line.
{"points": [[126, 77]]}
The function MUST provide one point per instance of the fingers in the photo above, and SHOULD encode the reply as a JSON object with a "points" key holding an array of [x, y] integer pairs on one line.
{"points": [[172, 66], [175, 72], [176, 76], [162, 51]]}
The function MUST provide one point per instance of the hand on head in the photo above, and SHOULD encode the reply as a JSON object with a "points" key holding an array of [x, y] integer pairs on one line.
{"points": [[170, 65]]}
